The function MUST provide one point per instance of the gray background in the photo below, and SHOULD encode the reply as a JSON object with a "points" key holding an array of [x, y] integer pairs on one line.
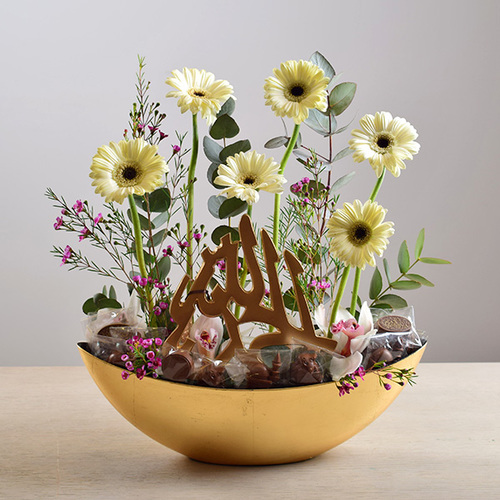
{"points": [[68, 81]]}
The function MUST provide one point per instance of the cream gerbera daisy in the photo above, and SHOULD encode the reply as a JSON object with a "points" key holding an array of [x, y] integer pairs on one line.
{"points": [[385, 142], [296, 87], [357, 231], [246, 173], [127, 167], [199, 91]]}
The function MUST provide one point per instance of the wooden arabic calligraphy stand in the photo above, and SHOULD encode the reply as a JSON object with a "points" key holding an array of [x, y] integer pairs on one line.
{"points": [[219, 303]]}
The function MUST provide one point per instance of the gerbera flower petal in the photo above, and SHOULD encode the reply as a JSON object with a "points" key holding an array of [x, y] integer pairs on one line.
{"points": [[385, 142], [199, 92], [127, 167], [357, 232], [244, 174], [296, 87]]}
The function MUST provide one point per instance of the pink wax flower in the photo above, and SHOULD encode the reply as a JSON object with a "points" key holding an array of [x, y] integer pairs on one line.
{"points": [[152, 129], [66, 254], [162, 135], [197, 236], [168, 251], [176, 148], [98, 218], [83, 234], [58, 223], [78, 206]]}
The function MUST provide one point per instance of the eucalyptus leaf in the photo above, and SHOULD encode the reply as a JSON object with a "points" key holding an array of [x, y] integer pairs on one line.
{"points": [[89, 306], [405, 285], [342, 154], [108, 303], [289, 300], [375, 284], [395, 301], [214, 203], [220, 231], [341, 96], [98, 296], [159, 200], [158, 237], [420, 279], [321, 123], [345, 127], [419, 245], [143, 221], [163, 267], [212, 149], [404, 258], [232, 149], [386, 269], [112, 292], [159, 220], [232, 207], [276, 142], [342, 181], [301, 154], [140, 202], [321, 61], [212, 174], [224, 128], [104, 291], [227, 108], [433, 260]]}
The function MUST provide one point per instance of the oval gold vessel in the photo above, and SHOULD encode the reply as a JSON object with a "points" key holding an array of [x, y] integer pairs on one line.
{"points": [[244, 426]]}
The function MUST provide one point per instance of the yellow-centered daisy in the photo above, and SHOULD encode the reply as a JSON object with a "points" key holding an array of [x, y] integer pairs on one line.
{"points": [[199, 91], [127, 167], [297, 87], [357, 232], [385, 142], [246, 173]]}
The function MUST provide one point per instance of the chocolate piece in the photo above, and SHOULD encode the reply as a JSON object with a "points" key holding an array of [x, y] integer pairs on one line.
{"points": [[211, 375], [115, 358], [306, 370], [177, 366], [258, 375], [105, 332], [390, 324], [275, 371]]}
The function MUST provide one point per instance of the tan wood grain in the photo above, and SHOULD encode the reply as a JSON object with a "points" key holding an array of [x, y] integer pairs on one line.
{"points": [[60, 438]]}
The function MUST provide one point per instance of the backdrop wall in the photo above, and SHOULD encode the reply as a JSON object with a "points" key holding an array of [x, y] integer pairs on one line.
{"points": [[68, 72]]}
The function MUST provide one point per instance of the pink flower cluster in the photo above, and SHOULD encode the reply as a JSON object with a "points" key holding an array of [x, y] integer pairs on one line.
{"points": [[319, 285], [297, 187], [66, 254], [349, 383], [145, 358]]}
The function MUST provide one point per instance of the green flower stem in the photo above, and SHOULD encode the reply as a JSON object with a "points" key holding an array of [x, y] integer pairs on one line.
{"points": [[378, 184], [338, 298], [139, 251], [190, 201], [355, 290], [277, 197], [357, 276], [244, 272]]}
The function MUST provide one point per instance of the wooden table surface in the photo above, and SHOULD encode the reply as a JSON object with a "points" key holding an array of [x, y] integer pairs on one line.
{"points": [[61, 438]]}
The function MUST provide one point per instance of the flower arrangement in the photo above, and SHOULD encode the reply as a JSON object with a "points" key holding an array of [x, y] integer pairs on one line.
{"points": [[233, 321]]}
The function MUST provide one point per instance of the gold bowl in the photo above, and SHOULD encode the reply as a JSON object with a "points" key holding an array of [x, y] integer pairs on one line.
{"points": [[244, 426]]}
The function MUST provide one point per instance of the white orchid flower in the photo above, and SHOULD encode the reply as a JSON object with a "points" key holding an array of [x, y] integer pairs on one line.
{"points": [[207, 333], [340, 366]]}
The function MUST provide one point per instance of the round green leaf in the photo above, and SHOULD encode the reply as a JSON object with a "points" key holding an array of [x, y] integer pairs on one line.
{"points": [[395, 301], [227, 108], [341, 96], [163, 267], [220, 231], [224, 128], [159, 200], [214, 203], [212, 149], [212, 173], [232, 207], [232, 149], [276, 142], [321, 61], [89, 306]]}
